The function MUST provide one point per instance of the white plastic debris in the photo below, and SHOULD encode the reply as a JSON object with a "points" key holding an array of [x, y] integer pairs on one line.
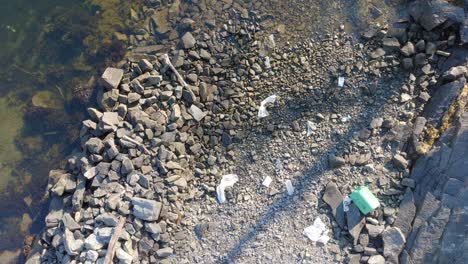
{"points": [[310, 128], [346, 203], [262, 111], [267, 62], [340, 81], [289, 187], [317, 232], [267, 181], [227, 181], [345, 119], [279, 166]]}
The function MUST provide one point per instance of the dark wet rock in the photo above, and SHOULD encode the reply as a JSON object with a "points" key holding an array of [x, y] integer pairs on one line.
{"points": [[111, 78], [464, 30], [420, 59], [334, 199], [145, 209], [188, 41], [355, 221], [408, 63]]}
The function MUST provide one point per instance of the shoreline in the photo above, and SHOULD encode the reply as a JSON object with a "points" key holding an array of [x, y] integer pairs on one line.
{"points": [[139, 161]]}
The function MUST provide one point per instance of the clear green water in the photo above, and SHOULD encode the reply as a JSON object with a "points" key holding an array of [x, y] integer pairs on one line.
{"points": [[48, 48]]}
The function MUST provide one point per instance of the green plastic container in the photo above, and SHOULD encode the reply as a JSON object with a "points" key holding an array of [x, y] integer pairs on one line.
{"points": [[364, 200]]}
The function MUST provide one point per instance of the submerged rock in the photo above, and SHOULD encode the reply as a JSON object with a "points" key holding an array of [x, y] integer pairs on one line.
{"points": [[47, 99]]}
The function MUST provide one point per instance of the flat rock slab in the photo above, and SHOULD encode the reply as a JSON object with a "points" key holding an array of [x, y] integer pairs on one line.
{"points": [[356, 221], [145, 209], [393, 240], [334, 199], [406, 213], [111, 78]]}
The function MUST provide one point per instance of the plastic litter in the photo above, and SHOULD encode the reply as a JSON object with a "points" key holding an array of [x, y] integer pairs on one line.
{"points": [[267, 181], [310, 128], [289, 187], [345, 119], [262, 111], [346, 203], [279, 166], [317, 232], [364, 200], [340, 81], [227, 181]]}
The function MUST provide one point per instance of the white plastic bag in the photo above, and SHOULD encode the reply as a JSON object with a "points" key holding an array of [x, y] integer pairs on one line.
{"points": [[262, 111], [317, 232], [267, 181], [310, 128], [227, 181], [346, 203], [340, 81]]}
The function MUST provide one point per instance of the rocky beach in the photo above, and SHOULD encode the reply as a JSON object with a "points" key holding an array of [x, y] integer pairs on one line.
{"points": [[296, 118]]}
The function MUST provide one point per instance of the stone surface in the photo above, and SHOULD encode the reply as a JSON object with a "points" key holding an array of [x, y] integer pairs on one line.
{"points": [[406, 213], [145, 209], [111, 78], [355, 221], [188, 41], [334, 199], [393, 242]]}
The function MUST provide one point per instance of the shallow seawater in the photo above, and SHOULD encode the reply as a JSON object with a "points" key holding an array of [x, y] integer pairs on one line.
{"points": [[49, 48]]}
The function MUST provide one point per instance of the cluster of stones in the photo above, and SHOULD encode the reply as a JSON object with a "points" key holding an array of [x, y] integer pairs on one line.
{"points": [[154, 135], [432, 207]]}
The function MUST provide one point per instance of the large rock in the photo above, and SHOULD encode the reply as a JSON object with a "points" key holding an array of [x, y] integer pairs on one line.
{"points": [[406, 213], [72, 246], [334, 199], [188, 41], [431, 14], [441, 101], [356, 222], [393, 240], [197, 113], [111, 78], [145, 209]]}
